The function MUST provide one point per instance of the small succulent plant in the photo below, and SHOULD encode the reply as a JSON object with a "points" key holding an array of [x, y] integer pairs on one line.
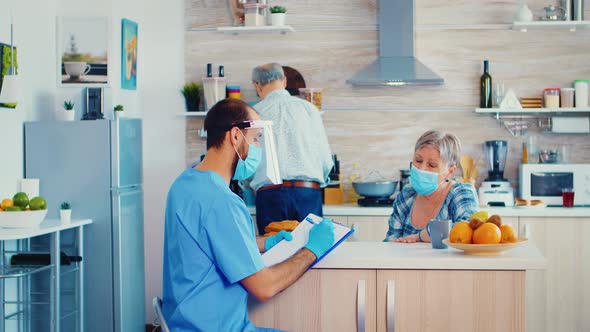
{"points": [[65, 206], [68, 105], [119, 108], [278, 10]]}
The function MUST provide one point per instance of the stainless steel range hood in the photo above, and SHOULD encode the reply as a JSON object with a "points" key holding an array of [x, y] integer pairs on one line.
{"points": [[396, 65]]}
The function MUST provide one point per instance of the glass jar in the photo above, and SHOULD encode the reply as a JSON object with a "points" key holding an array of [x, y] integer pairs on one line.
{"points": [[312, 95], [567, 97], [254, 14], [581, 87], [551, 98]]}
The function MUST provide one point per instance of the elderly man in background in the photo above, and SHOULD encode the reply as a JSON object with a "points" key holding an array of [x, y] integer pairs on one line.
{"points": [[303, 152]]}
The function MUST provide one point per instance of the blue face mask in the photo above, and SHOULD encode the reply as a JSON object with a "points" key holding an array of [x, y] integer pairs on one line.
{"points": [[246, 168], [424, 182]]}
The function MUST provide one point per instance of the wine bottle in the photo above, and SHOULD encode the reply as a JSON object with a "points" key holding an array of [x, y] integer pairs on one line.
{"points": [[485, 97]]}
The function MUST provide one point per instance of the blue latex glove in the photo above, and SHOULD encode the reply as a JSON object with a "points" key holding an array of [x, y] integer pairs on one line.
{"points": [[272, 241], [321, 238]]}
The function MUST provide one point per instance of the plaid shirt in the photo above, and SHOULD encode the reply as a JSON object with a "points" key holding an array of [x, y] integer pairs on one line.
{"points": [[460, 204]]}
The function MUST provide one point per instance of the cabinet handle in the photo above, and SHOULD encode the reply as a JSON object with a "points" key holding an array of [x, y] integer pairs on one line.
{"points": [[390, 323], [526, 231], [360, 306]]}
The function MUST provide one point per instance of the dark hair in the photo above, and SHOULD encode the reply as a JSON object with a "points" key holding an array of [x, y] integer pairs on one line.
{"points": [[222, 117]]}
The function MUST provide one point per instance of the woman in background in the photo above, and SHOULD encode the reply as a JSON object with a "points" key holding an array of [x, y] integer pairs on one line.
{"points": [[432, 193]]}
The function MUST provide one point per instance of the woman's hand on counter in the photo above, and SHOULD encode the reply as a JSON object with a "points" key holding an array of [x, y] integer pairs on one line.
{"points": [[408, 239]]}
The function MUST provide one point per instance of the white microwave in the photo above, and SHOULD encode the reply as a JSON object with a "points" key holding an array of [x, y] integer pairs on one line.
{"points": [[545, 182]]}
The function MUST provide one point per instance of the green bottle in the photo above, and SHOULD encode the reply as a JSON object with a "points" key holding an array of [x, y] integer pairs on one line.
{"points": [[485, 95]]}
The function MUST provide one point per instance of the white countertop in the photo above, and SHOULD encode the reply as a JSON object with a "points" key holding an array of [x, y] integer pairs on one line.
{"points": [[47, 226], [421, 256], [355, 210]]}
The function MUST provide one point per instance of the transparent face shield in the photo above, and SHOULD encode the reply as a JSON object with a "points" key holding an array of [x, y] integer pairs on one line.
{"points": [[270, 163]]}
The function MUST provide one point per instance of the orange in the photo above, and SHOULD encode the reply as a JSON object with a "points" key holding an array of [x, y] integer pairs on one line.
{"points": [[508, 234], [7, 202], [487, 233], [461, 233]]}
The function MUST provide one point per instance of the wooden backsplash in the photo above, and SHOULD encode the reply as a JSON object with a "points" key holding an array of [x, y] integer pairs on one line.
{"points": [[377, 127]]}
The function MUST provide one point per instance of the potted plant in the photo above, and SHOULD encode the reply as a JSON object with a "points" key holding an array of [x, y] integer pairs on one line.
{"points": [[277, 15], [119, 112], [192, 95], [65, 212], [67, 113]]}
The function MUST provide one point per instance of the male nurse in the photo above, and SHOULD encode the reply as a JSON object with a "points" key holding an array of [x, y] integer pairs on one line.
{"points": [[212, 257]]}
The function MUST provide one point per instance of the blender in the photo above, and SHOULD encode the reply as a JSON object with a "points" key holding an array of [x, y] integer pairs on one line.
{"points": [[495, 190]]}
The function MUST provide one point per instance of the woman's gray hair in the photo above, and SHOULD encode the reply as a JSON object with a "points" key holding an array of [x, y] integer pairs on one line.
{"points": [[448, 145], [267, 73]]}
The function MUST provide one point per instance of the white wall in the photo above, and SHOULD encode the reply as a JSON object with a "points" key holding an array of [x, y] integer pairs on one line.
{"points": [[156, 100], [164, 141]]}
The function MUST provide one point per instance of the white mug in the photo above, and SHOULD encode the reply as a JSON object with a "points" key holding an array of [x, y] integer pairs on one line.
{"points": [[76, 69]]}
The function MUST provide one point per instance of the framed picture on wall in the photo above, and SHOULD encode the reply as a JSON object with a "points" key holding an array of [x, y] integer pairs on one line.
{"points": [[82, 45], [128, 54]]}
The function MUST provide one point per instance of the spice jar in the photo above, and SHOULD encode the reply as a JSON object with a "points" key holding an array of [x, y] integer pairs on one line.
{"points": [[567, 97], [551, 97], [312, 95], [581, 87]]}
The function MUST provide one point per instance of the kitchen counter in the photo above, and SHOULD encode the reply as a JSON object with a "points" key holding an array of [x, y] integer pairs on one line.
{"points": [[355, 210], [421, 256]]}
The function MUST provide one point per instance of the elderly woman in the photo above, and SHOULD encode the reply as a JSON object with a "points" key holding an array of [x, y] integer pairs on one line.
{"points": [[432, 193]]}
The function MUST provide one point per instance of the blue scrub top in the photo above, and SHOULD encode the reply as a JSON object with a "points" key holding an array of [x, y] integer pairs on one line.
{"points": [[209, 246]]}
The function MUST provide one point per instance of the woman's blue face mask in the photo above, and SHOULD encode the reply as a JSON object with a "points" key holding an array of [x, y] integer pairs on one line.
{"points": [[246, 168], [424, 182]]}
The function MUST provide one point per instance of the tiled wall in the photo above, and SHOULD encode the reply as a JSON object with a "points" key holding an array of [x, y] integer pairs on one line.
{"points": [[377, 127]]}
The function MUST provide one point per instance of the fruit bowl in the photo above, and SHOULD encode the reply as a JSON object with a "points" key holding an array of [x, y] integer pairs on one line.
{"points": [[485, 249], [22, 219]]}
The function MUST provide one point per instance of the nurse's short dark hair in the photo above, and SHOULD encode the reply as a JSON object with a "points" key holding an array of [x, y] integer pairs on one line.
{"points": [[221, 118]]}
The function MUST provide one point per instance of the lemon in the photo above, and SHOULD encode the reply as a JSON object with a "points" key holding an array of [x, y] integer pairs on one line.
{"points": [[481, 215], [7, 202], [21, 200]]}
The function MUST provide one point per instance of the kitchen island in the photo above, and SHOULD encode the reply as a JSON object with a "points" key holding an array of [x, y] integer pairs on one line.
{"points": [[376, 286]]}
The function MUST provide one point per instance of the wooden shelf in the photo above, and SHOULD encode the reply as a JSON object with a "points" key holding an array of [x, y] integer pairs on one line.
{"points": [[556, 25], [259, 29]]}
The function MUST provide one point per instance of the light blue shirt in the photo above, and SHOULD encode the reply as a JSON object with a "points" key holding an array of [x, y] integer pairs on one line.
{"points": [[209, 246], [302, 145]]}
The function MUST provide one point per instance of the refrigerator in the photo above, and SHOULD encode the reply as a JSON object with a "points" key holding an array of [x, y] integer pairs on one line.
{"points": [[97, 167]]}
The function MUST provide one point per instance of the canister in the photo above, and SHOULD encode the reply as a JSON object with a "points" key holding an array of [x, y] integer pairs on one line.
{"points": [[567, 97], [581, 87], [551, 97], [254, 14], [233, 91]]}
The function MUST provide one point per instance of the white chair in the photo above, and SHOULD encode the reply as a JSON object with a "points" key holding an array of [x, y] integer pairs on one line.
{"points": [[157, 303]]}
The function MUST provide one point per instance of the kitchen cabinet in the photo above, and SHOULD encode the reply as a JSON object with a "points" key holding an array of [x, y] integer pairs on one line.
{"points": [[558, 298], [450, 300], [322, 300], [408, 300]]}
